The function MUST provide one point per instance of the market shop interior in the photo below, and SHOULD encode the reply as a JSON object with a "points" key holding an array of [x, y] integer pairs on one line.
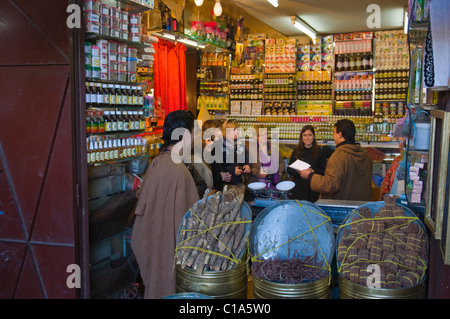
{"points": [[93, 100]]}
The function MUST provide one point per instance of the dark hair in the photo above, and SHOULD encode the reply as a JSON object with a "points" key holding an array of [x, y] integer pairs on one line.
{"points": [[212, 123], [301, 146], [347, 128], [176, 119]]}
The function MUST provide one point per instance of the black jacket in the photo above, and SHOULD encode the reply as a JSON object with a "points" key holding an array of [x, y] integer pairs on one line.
{"points": [[302, 189]]}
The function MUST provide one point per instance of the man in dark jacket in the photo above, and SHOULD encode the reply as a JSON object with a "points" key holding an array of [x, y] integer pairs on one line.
{"points": [[348, 174]]}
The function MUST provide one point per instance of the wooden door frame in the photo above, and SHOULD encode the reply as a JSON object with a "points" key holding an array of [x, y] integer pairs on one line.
{"points": [[78, 100]]}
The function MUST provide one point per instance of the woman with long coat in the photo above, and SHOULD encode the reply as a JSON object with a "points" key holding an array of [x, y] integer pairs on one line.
{"points": [[167, 193]]}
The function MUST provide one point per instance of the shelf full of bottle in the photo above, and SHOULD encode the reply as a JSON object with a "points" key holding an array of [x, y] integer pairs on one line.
{"points": [[391, 85], [113, 95], [246, 86], [314, 90], [354, 61], [289, 126], [353, 86], [99, 121], [213, 87], [106, 149], [280, 87]]}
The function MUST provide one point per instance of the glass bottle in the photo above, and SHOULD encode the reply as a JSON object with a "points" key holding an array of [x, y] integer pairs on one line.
{"points": [[112, 94], [118, 95], [105, 91], [96, 152], [101, 122], [106, 150], [90, 153], [141, 121], [120, 121], [108, 122], [114, 121], [124, 148], [126, 121], [116, 149], [111, 149], [88, 94]]}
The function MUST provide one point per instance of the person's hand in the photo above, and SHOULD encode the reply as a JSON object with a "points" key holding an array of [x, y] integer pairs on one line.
{"points": [[226, 177], [246, 168], [305, 173]]}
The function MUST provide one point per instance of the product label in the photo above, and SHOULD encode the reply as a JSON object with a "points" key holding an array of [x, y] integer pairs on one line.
{"points": [[114, 126], [120, 125], [108, 127]]}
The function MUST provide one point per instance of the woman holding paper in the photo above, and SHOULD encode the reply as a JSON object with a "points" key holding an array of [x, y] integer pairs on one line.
{"points": [[307, 155]]}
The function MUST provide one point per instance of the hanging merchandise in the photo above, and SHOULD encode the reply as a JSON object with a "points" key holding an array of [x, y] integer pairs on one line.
{"points": [[169, 72]]}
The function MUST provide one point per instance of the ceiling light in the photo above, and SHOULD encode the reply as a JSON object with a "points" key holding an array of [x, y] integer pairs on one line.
{"points": [[217, 8], [198, 2], [188, 42], [169, 36], [273, 2], [405, 21], [302, 26]]}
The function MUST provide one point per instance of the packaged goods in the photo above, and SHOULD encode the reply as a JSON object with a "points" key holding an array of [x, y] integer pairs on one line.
{"points": [[92, 5]]}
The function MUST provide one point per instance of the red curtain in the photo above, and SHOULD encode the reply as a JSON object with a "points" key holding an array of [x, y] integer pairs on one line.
{"points": [[170, 75]]}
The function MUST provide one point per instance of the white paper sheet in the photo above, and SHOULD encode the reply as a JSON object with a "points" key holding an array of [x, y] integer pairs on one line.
{"points": [[299, 165]]}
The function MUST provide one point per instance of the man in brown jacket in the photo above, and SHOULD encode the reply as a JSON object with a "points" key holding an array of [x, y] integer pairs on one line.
{"points": [[167, 193], [348, 174]]}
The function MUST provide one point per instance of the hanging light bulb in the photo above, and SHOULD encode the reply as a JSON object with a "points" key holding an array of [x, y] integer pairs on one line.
{"points": [[217, 8], [198, 2]]}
